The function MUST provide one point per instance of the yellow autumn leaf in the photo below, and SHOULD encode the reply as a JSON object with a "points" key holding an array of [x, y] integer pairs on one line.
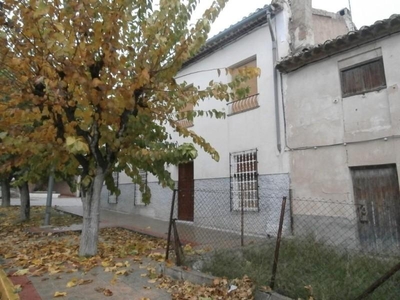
{"points": [[73, 282], [59, 26], [105, 263], [121, 272], [17, 288], [60, 294], [114, 279], [76, 145], [21, 272]]}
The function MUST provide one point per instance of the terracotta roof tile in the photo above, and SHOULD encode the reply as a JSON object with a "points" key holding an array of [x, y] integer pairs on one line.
{"points": [[365, 34]]}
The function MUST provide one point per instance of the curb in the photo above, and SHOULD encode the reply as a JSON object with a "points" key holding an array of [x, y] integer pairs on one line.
{"points": [[7, 288], [196, 277], [193, 276], [260, 295]]}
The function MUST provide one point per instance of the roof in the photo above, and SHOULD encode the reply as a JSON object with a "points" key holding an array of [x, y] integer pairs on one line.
{"points": [[234, 32], [365, 34]]}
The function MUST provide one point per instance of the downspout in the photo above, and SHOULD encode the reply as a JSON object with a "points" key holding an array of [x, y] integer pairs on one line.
{"points": [[275, 82]]}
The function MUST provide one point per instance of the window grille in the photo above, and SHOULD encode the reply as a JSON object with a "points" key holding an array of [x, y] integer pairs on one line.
{"points": [[112, 197], [138, 199], [244, 181]]}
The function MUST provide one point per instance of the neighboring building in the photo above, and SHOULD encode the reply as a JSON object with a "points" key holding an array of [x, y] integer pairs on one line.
{"points": [[253, 168], [342, 112]]}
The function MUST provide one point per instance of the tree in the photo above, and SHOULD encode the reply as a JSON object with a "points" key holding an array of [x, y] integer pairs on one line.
{"points": [[96, 89], [5, 191]]}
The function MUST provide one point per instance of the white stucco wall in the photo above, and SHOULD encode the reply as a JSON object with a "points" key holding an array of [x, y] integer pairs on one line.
{"points": [[345, 131], [246, 130]]}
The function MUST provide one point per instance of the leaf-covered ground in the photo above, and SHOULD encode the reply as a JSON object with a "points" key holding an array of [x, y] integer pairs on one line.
{"points": [[53, 254]]}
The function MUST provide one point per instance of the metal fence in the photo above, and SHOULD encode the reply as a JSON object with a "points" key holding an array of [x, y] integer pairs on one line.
{"points": [[300, 247]]}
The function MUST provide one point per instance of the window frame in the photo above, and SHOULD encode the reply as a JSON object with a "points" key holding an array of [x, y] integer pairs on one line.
{"points": [[234, 70], [346, 94], [244, 181]]}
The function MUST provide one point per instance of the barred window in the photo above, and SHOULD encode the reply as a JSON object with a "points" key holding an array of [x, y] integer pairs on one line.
{"points": [[138, 199], [244, 181]]}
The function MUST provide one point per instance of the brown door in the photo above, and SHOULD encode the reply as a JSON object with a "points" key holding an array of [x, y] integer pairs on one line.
{"points": [[376, 193], [186, 192]]}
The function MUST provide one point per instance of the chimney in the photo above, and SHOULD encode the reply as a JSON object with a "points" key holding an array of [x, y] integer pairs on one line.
{"points": [[301, 25]]}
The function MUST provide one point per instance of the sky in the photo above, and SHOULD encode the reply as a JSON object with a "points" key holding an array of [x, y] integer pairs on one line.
{"points": [[364, 12]]}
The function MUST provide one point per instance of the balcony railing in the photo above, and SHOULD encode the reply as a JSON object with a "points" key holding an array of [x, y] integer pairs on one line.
{"points": [[185, 123], [242, 105]]}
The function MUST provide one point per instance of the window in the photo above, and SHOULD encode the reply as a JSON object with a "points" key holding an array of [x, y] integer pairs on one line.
{"points": [[246, 93], [362, 78], [138, 200], [244, 181], [112, 197], [183, 121]]}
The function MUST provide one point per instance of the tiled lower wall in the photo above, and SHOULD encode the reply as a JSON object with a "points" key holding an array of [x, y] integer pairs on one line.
{"points": [[212, 203]]}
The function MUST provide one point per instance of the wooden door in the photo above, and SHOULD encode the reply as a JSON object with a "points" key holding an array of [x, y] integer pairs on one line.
{"points": [[186, 192], [376, 193]]}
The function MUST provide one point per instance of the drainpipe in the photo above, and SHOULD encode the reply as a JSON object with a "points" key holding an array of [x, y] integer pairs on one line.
{"points": [[275, 79]]}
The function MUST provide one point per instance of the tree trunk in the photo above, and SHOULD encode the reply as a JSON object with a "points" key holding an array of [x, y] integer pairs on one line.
{"points": [[25, 201], [91, 216], [5, 193]]}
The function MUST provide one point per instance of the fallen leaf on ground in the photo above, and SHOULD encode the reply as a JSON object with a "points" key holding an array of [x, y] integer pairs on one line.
{"points": [[85, 281], [73, 282], [114, 279], [99, 289], [60, 294], [17, 288], [121, 272], [21, 272], [107, 292]]}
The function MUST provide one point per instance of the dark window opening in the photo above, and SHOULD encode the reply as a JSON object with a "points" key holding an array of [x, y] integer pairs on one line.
{"points": [[363, 78]]}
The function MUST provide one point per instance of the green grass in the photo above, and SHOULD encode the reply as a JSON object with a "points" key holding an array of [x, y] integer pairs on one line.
{"points": [[331, 274]]}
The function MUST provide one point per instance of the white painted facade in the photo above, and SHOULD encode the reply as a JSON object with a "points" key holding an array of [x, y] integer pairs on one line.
{"points": [[252, 129], [242, 131]]}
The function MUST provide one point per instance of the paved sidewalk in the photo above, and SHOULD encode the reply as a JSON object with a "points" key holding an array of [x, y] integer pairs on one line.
{"points": [[138, 223], [135, 286]]}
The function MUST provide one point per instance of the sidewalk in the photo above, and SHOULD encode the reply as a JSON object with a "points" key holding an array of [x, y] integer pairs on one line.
{"points": [[138, 223], [136, 286]]}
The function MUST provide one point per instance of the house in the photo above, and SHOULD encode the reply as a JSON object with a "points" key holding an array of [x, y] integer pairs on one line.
{"points": [[252, 174], [342, 119]]}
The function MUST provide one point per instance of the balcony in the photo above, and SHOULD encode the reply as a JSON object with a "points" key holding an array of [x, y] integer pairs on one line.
{"points": [[242, 105], [184, 123]]}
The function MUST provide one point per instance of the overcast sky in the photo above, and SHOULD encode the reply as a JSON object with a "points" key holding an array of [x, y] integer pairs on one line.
{"points": [[365, 12]]}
